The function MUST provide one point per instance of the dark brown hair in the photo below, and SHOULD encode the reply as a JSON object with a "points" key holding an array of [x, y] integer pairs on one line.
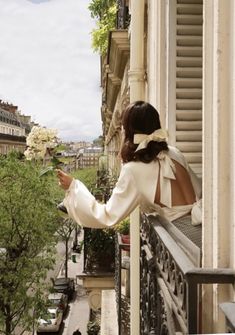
{"points": [[140, 118]]}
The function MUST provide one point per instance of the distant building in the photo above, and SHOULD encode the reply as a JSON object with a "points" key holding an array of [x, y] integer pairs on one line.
{"points": [[26, 122], [89, 157], [80, 145], [14, 128]]}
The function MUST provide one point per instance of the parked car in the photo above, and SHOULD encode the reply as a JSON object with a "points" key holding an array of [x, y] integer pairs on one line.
{"points": [[59, 300], [51, 322], [64, 285]]}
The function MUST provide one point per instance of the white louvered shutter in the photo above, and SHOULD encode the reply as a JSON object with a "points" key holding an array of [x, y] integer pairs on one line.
{"points": [[189, 81]]}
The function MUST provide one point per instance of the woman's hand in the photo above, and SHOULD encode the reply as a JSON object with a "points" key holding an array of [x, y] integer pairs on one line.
{"points": [[64, 179]]}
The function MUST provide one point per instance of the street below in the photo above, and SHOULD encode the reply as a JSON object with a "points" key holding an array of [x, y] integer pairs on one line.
{"points": [[77, 314]]}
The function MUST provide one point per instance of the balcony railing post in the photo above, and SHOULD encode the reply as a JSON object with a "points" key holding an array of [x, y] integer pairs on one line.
{"points": [[119, 289], [135, 273], [192, 307]]}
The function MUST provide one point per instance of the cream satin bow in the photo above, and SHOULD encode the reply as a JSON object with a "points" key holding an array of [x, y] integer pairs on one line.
{"points": [[158, 135], [167, 172], [167, 167]]}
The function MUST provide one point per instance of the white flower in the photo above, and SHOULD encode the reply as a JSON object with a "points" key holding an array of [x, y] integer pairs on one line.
{"points": [[38, 140]]}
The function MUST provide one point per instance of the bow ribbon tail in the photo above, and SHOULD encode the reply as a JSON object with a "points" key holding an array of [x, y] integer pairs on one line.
{"points": [[165, 190], [166, 174], [142, 145]]}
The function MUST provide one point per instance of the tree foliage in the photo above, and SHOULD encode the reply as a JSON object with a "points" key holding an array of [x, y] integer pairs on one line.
{"points": [[65, 230], [105, 12], [99, 141], [88, 176], [99, 8], [28, 218]]}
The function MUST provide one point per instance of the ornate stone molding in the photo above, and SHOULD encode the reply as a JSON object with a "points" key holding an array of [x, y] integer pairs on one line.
{"points": [[118, 55]]}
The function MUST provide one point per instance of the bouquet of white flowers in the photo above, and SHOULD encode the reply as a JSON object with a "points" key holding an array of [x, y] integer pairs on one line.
{"points": [[38, 141]]}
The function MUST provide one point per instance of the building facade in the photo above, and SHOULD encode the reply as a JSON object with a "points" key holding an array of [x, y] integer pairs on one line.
{"points": [[12, 130], [179, 56], [89, 157], [79, 145]]}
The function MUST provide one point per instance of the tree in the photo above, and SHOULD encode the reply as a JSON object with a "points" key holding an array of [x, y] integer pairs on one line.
{"points": [[65, 230], [99, 142], [87, 176], [105, 12], [98, 243], [28, 221], [99, 8]]}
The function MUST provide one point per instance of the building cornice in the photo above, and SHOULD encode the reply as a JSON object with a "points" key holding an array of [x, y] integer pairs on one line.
{"points": [[118, 55]]}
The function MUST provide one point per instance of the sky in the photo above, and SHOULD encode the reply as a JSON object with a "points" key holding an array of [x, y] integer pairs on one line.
{"points": [[47, 66]]}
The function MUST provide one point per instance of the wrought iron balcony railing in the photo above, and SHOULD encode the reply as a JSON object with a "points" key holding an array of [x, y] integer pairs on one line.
{"points": [[12, 138], [123, 17], [170, 279]]}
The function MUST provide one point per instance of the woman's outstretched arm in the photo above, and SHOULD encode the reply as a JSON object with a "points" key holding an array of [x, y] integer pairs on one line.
{"points": [[88, 212]]}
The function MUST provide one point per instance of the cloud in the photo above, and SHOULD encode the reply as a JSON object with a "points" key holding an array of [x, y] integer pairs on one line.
{"points": [[47, 66]]}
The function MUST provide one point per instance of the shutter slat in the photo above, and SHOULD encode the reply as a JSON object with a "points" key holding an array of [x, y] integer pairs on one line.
{"points": [[188, 93], [188, 73], [190, 2], [189, 135], [189, 19], [189, 40], [187, 51], [189, 125], [189, 62], [189, 29], [189, 83], [193, 157], [189, 104], [189, 8], [190, 146], [185, 115]]}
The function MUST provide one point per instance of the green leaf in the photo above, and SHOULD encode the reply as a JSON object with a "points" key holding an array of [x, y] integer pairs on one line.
{"points": [[46, 170]]}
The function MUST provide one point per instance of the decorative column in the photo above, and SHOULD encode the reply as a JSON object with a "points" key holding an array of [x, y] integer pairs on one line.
{"points": [[218, 152], [136, 82], [157, 65], [137, 71]]}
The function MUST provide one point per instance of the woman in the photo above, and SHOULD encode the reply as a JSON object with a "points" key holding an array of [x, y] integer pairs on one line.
{"points": [[153, 175]]}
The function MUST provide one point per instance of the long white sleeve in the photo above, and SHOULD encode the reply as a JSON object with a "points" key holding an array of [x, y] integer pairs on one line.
{"points": [[87, 211]]}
